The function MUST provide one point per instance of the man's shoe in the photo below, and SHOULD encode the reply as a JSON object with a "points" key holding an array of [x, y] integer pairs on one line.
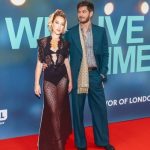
{"points": [[78, 148], [109, 147]]}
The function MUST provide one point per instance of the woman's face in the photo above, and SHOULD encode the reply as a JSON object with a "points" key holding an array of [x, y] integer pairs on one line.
{"points": [[58, 25]]}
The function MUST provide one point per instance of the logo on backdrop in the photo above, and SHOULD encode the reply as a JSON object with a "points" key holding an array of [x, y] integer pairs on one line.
{"points": [[130, 27], [3, 116]]}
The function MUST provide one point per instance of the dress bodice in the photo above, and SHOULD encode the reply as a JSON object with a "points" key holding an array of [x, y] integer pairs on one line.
{"points": [[55, 60]]}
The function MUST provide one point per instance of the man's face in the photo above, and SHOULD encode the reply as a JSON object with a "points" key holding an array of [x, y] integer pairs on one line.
{"points": [[84, 15]]}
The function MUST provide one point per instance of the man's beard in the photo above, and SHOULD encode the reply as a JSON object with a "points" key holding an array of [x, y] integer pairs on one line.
{"points": [[84, 21]]}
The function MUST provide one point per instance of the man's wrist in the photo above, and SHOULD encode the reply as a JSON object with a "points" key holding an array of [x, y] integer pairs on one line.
{"points": [[102, 76]]}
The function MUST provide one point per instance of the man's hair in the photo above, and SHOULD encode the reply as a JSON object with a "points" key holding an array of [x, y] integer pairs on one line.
{"points": [[89, 5]]}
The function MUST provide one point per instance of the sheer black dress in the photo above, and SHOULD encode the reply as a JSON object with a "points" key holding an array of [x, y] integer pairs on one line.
{"points": [[56, 120]]}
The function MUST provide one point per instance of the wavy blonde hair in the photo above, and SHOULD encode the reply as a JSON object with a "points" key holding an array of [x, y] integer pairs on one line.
{"points": [[52, 17]]}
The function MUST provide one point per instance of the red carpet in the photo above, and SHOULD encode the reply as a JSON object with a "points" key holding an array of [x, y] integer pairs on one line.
{"points": [[129, 135]]}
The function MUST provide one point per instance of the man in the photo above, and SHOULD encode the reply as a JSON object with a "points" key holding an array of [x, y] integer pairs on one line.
{"points": [[89, 64]]}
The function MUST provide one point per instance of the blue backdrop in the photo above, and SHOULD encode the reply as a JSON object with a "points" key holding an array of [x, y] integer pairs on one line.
{"points": [[127, 90]]}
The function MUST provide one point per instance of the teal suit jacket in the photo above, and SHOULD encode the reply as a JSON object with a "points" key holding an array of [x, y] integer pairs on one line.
{"points": [[100, 47]]}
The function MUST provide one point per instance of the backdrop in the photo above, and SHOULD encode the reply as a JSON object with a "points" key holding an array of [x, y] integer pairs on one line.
{"points": [[127, 90]]}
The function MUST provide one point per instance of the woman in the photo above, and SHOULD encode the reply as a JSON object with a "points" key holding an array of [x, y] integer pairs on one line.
{"points": [[53, 50]]}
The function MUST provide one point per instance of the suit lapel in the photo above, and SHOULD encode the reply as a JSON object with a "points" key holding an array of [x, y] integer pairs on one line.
{"points": [[77, 39], [94, 38]]}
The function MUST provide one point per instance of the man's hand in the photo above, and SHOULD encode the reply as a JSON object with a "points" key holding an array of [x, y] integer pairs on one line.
{"points": [[44, 66], [103, 79]]}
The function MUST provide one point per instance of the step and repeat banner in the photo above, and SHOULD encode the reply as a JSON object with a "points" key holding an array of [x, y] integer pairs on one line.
{"points": [[128, 87]]}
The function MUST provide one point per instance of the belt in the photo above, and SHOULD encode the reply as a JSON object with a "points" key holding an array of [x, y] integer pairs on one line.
{"points": [[92, 68]]}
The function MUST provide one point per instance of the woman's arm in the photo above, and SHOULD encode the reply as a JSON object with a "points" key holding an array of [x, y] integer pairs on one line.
{"points": [[38, 70], [67, 64]]}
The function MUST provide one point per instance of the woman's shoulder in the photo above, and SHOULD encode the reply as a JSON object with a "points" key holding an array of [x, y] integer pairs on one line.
{"points": [[65, 42], [43, 41]]}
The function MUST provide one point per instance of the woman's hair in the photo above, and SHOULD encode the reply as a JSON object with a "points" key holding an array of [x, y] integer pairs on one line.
{"points": [[89, 5], [52, 18]]}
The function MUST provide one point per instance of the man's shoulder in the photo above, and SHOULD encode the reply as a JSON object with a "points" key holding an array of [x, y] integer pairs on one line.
{"points": [[73, 28], [98, 28]]}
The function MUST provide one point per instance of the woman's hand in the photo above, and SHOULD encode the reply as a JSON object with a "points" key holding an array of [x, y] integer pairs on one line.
{"points": [[69, 86], [37, 90]]}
